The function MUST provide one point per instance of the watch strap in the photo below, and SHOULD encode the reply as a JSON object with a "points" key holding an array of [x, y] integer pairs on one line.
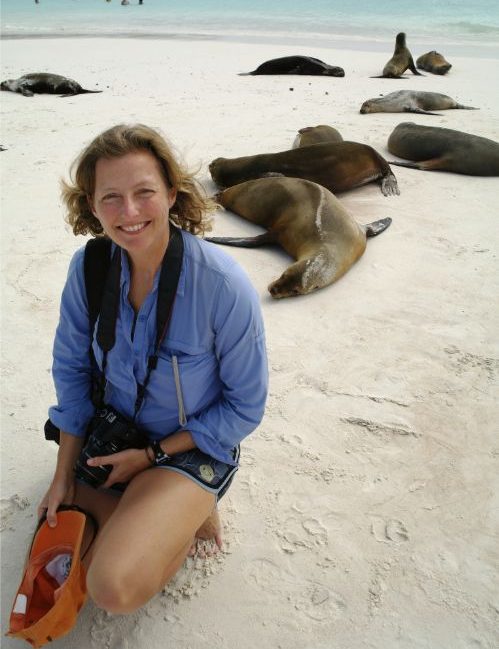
{"points": [[159, 455]]}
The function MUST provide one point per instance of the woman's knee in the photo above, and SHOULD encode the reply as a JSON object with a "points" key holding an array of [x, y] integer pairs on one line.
{"points": [[117, 591]]}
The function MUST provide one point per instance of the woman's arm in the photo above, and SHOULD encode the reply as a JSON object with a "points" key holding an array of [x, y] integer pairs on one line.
{"points": [[61, 489], [243, 371]]}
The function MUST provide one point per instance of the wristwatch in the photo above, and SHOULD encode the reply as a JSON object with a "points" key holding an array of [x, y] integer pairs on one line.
{"points": [[159, 455]]}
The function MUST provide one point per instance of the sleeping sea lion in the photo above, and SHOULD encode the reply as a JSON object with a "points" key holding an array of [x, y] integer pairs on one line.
{"points": [[400, 61], [44, 83], [411, 101], [443, 149], [297, 65], [316, 135], [338, 166], [433, 62], [308, 222]]}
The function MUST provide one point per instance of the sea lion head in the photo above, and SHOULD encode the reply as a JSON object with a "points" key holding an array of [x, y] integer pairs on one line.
{"points": [[215, 168], [305, 276], [9, 84], [368, 106], [400, 40]]}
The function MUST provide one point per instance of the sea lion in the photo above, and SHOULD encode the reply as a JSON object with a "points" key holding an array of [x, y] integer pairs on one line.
{"points": [[400, 61], [316, 135], [308, 222], [297, 65], [443, 149], [411, 101], [44, 83], [338, 166], [433, 62]]}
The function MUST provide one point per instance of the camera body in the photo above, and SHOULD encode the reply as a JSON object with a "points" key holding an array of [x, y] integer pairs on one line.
{"points": [[108, 432]]}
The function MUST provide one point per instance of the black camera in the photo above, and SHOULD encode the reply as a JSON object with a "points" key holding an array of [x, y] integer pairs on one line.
{"points": [[108, 432]]}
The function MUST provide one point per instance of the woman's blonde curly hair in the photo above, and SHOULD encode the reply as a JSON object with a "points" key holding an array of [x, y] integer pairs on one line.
{"points": [[192, 208]]}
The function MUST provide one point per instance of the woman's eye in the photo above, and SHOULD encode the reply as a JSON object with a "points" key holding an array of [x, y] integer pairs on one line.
{"points": [[110, 197], [146, 192]]}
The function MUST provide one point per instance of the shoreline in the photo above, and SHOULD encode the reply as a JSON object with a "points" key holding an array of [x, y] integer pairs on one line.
{"points": [[472, 48]]}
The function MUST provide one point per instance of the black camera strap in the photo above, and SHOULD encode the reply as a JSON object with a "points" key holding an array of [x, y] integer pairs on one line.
{"points": [[167, 289]]}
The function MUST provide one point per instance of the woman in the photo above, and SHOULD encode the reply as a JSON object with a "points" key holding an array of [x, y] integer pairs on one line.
{"points": [[205, 394]]}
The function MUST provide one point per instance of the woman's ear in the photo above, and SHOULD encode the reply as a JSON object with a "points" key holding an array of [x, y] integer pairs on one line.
{"points": [[172, 197]]}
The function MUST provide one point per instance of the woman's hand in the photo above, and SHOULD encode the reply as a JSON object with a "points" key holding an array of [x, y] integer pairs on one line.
{"points": [[126, 464], [61, 490]]}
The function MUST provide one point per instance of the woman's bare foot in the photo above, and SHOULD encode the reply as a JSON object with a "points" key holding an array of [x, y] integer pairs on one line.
{"points": [[208, 540]]}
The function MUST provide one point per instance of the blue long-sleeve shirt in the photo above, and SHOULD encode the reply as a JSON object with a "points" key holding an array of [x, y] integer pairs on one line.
{"points": [[215, 338]]}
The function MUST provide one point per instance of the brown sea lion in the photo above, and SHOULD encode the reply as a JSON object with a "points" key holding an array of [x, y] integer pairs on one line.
{"points": [[433, 62], [44, 83], [443, 149], [400, 61], [316, 135], [297, 65], [308, 222], [338, 166], [411, 101]]}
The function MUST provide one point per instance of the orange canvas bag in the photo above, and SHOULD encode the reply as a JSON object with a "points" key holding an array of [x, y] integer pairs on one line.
{"points": [[53, 588]]}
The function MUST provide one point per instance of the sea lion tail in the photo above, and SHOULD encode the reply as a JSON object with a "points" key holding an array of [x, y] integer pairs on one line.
{"points": [[83, 91], [245, 74], [377, 227], [409, 165], [244, 242], [466, 107]]}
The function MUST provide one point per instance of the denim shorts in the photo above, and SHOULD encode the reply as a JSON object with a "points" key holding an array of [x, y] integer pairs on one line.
{"points": [[210, 474]]}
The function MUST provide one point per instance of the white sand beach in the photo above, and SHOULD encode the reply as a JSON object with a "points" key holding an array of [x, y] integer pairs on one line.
{"points": [[364, 513]]}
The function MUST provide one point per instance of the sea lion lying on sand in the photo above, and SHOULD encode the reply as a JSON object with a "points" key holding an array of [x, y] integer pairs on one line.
{"points": [[316, 135], [297, 65], [338, 166], [44, 83], [411, 101], [308, 222], [433, 62], [443, 149], [400, 61]]}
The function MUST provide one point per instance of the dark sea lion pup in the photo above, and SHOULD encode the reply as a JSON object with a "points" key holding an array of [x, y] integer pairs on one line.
{"points": [[443, 149], [308, 222], [411, 101], [297, 65], [400, 61], [44, 83], [433, 62], [316, 135], [338, 166]]}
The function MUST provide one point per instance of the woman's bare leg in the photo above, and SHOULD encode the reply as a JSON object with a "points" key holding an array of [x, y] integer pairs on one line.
{"points": [[146, 539]]}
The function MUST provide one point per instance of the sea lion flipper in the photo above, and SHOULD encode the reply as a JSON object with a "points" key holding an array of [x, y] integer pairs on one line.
{"points": [[413, 68], [419, 110], [377, 227], [409, 165], [389, 186], [245, 242]]}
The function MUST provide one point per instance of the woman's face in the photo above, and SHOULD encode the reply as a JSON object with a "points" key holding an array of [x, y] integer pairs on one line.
{"points": [[132, 202]]}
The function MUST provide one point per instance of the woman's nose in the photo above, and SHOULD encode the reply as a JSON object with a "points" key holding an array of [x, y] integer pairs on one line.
{"points": [[130, 206]]}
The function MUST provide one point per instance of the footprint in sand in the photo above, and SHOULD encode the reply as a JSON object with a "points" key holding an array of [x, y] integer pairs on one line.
{"points": [[8, 507], [320, 603], [296, 534], [389, 531], [266, 575]]}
